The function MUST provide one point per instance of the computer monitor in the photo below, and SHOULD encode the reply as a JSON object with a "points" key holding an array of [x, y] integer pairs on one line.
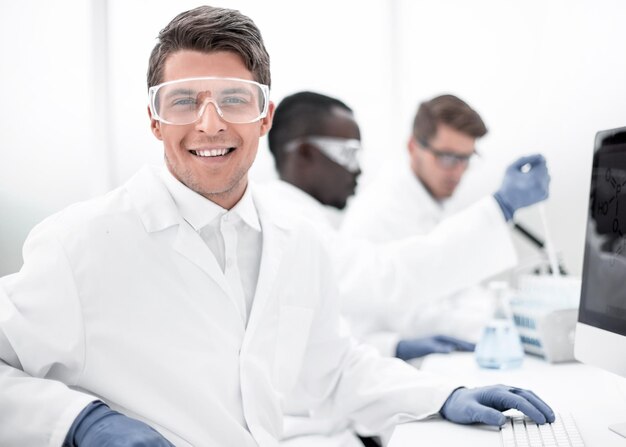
{"points": [[601, 327]]}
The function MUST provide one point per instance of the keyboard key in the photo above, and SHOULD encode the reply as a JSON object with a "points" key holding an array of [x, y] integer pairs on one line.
{"points": [[547, 435], [508, 439], [520, 431]]}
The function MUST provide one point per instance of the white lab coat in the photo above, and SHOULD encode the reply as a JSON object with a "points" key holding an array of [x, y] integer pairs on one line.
{"points": [[384, 286], [404, 286], [120, 299], [396, 206]]}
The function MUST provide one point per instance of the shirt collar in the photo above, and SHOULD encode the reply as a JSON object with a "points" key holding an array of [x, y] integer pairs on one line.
{"points": [[199, 211]]}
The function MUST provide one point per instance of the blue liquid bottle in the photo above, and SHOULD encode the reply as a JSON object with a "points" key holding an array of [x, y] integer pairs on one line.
{"points": [[500, 346]]}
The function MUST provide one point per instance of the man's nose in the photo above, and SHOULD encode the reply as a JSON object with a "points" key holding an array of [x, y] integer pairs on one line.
{"points": [[210, 121], [456, 172], [461, 166]]}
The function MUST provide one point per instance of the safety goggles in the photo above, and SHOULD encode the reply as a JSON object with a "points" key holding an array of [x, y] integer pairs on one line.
{"points": [[447, 159], [183, 101], [345, 152]]}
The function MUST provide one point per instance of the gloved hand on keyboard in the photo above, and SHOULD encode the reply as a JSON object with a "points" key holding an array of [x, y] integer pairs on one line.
{"points": [[485, 404], [419, 347], [97, 425], [522, 187]]}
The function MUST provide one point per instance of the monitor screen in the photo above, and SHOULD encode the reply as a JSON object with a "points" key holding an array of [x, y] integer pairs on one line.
{"points": [[603, 294], [601, 327]]}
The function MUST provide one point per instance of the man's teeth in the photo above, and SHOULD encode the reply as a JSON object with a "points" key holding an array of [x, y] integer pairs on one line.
{"points": [[211, 152]]}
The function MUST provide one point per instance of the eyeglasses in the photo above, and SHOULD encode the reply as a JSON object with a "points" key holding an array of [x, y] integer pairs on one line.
{"points": [[183, 101], [447, 159], [343, 151]]}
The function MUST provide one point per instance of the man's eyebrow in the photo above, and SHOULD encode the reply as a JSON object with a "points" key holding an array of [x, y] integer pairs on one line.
{"points": [[193, 93], [180, 91], [232, 90]]}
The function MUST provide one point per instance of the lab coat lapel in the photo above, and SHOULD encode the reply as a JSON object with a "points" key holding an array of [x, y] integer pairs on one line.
{"points": [[190, 245], [276, 234], [158, 211]]}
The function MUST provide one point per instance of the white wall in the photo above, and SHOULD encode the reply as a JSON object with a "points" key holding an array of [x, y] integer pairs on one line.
{"points": [[49, 157], [544, 75]]}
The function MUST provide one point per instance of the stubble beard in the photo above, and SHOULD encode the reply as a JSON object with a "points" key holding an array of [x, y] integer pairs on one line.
{"points": [[187, 177]]}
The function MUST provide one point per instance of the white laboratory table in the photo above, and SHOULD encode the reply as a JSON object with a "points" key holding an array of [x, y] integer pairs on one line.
{"points": [[595, 398]]}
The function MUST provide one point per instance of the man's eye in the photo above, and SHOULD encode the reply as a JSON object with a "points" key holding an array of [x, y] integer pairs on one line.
{"points": [[446, 158], [234, 100], [184, 101]]}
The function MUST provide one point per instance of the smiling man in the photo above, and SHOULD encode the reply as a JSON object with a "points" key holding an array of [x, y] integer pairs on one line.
{"points": [[210, 126], [183, 308]]}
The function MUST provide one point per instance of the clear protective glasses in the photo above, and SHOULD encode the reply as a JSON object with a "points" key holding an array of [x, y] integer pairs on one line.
{"points": [[183, 101], [447, 159], [343, 151]]}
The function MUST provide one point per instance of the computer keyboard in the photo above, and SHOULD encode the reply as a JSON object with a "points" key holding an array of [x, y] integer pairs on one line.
{"points": [[521, 431]]}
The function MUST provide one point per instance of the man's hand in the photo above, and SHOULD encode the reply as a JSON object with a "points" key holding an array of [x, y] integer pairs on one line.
{"points": [[98, 426], [419, 347], [485, 404], [525, 183]]}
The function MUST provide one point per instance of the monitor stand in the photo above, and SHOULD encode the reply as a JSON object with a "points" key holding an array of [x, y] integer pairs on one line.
{"points": [[620, 429]]}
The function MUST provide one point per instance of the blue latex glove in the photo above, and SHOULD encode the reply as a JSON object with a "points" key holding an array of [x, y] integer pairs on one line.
{"points": [[519, 188], [484, 405], [419, 347], [99, 426]]}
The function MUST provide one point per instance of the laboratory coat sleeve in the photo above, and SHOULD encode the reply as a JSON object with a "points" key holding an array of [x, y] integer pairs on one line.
{"points": [[41, 347], [385, 341], [342, 379], [461, 251]]}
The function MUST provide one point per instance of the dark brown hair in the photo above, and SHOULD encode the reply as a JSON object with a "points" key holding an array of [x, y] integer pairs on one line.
{"points": [[448, 110], [209, 29]]}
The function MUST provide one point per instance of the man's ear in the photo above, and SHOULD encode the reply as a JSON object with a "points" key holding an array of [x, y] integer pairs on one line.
{"points": [[266, 123], [155, 126], [412, 145]]}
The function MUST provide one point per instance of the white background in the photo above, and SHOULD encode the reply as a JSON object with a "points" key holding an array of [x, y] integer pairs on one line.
{"points": [[545, 76]]}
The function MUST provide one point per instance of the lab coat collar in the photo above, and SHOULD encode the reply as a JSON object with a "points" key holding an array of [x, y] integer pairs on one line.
{"points": [[158, 211], [417, 189], [152, 200], [271, 209]]}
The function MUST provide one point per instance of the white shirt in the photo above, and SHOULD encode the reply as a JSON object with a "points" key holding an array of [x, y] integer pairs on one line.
{"points": [[234, 237]]}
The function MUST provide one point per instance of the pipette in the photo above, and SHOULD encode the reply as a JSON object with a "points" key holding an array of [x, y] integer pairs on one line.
{"points": [[549, 246]]}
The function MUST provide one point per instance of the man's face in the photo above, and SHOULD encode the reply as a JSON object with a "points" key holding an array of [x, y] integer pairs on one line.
{"points": [[334, 184], [220, 178], [440, 179]]}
